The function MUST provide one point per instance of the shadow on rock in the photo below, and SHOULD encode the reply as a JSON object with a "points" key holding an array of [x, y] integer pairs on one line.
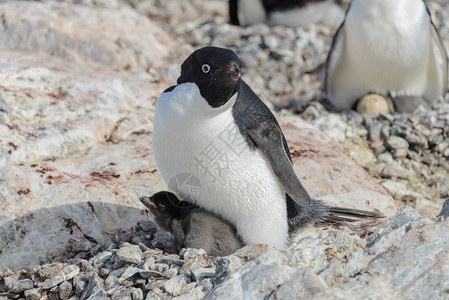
{"points": [[53, 233]]}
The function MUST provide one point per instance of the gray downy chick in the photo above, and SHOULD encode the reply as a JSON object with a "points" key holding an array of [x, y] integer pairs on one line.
{"points": [[191, 226]]}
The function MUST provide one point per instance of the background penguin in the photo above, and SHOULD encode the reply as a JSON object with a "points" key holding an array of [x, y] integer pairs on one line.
{"points": [[291, 13], [212, 130], [191, 226], [390, 48]]}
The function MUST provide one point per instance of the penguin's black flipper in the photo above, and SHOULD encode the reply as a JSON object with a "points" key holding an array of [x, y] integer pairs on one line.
{"points": [[269, 138]]}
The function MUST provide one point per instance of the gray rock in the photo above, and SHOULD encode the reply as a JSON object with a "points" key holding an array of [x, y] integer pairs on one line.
{"points": [[161, 268], [245, 283], [111, 282], [198, 274], [94, 286], [442, 146], [374, 132], [103, 272], [386, 241], [108, 245], [250, 252], [303, 284], [162, 240], [395, 170], [417, 139], [9, 282], [148, 263], [79, 285], [169, 259], [21, 285], [98, 295], [155, 284], [418, 263], [172, 272], [5, 271], [386, 116], [396, 142], [314, 252], [130, 272], [400, 153], [149, 274], [199, 292], [357, 262], [361, 287], [32, 294], [176, 284], [102, 257], [130, 254], [402, 218], [225, 266], [66, 274], [65, 290], [191, 253], [446, 153], [156, 295], [127, 293], [77, 245], [386, 158]]}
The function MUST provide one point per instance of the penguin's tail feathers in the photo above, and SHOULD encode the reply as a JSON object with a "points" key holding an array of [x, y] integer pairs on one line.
{"points": [[335, 215], [318, 213]]}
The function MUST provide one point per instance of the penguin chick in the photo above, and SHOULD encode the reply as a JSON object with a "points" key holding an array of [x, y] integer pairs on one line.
{"points": [[218, 146], [290, 13], [391, 48], [191, 226]]}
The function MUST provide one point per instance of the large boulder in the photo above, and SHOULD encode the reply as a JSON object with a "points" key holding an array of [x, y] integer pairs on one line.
{"points": [[117, 38], [75, 154]]}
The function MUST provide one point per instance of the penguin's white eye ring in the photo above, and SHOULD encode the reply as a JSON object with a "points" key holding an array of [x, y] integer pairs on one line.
{"points": [[205, 68]]}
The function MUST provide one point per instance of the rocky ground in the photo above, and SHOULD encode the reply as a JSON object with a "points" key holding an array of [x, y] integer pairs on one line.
{"points": [[408, 259], [78, 82]]}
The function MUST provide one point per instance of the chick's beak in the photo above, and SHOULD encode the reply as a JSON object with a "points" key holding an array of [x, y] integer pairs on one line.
{"points": [[234, 72], [147, 201]]}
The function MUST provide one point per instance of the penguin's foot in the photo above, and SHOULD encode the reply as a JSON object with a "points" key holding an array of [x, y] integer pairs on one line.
{"points": [[407, 104]]}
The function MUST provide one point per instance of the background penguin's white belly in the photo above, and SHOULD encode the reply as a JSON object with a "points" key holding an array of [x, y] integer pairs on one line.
{"points": [[208, 162], [390, 45]]}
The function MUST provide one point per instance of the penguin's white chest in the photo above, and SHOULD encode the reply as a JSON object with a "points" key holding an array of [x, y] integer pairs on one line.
{"points": [[204, 158]]}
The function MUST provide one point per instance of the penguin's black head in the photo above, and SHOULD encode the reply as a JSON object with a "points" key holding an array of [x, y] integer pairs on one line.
{"points": [[216, 72]]}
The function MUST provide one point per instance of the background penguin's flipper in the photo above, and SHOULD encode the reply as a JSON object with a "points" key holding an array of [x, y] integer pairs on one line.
{"points": [[336, 46], [339, 76], [434, 70]]}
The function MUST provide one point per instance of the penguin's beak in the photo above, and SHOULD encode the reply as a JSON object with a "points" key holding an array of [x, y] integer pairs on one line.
{"points": [[147, 201], [234, 72]]}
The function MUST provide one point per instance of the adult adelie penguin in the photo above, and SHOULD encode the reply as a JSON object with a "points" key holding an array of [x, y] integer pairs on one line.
{"points": [[290, 13], [218, 146], [390, 48]]}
